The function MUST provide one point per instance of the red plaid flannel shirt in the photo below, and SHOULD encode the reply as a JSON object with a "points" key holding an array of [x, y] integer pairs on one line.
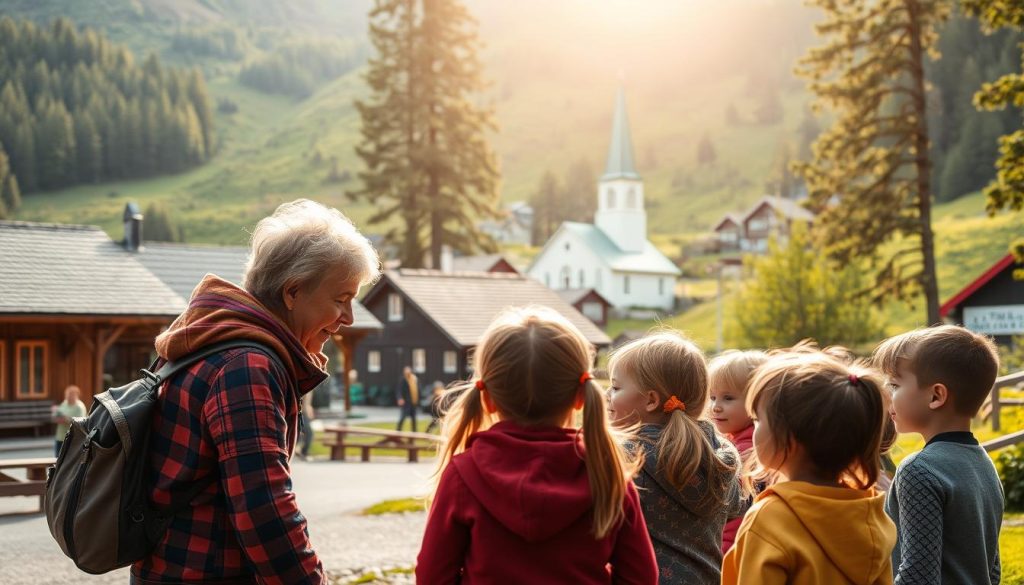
{"points": [[235, 416]]}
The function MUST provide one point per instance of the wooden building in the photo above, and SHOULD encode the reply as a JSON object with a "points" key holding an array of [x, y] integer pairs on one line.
{"points": [[589, 302], [433, 320], [750, 232], [993, 303]]}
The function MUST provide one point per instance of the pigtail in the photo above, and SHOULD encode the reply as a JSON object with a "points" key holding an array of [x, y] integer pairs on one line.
{"points": [[464, 417], [865, 470], [685, 452], [607, 467]]}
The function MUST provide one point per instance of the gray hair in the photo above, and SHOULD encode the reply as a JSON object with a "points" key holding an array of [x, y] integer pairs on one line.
{"points": [[298, 243]]}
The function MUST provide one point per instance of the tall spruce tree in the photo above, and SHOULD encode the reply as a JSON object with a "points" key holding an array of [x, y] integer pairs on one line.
{"points": [[1006, 191], [869, 179], [428, 161]]}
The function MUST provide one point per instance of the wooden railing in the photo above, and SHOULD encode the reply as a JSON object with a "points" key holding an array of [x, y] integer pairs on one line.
{"points": [[994, 403]]}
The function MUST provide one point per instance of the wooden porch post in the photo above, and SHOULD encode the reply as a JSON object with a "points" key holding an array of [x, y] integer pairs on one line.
{"points": [[347, 343], [104, 339]]}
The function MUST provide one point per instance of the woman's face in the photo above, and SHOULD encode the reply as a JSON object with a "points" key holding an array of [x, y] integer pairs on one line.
{"points": [[314, 314]]}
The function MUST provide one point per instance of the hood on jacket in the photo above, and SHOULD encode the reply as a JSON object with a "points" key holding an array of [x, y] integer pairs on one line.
{"points": [[743, 440], [533, 480], [850, 526], [220, 311]]}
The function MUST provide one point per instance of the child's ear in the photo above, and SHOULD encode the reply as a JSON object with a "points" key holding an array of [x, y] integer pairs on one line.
{"points": [[939, 396], [653, 401], [489, 405]]}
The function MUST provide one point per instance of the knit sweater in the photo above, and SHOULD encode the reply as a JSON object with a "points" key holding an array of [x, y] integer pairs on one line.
{"points": [[687, 537], [947, 503]]}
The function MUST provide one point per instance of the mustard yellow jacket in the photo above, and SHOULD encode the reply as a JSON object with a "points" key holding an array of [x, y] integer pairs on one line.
{"points": [[799, 533]]}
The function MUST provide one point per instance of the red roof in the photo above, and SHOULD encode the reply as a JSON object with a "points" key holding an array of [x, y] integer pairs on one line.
{"points": [[970, 289]]}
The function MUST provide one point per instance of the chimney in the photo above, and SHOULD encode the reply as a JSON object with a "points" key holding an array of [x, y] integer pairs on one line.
{"points": [[132, 227], [446, 259]]}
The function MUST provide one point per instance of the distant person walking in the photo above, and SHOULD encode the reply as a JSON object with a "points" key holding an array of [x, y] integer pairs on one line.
{"points": [[71, 407], [408, 397]]}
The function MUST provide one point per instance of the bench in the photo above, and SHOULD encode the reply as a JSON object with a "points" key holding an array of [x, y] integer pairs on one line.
{"points": [[338, 439], [34, 483], [34, 414]]}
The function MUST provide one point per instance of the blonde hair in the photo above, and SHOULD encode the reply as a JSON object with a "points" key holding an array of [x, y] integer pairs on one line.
{"points": [[530, 362], [835, 410], [298, 243], [670, 365], [733, 369]]}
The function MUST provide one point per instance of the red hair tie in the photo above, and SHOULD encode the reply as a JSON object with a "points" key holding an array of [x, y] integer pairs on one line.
{"points": [[853, 379], [674, 403], [585, 377], [480, 384]]}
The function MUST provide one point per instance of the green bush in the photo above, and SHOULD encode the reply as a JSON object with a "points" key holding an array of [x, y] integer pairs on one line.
{"points": [[1011, 471]]}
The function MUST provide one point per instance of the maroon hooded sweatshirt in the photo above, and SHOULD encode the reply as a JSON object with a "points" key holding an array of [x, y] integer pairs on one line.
{"points": [[515, 507]]}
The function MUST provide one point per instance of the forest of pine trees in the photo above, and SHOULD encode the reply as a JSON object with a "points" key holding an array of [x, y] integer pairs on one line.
{"points": [[298, 69], [75, 108]]}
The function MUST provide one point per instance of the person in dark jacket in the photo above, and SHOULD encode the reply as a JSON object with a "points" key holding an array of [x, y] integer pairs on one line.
{"points": [[231, 420], [408, 397]]}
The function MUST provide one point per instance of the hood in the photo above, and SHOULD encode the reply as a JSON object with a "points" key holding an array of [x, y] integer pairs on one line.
{"points": [[219, 311], [849, 525], [743, 440], [691, 495], [533, 480]]}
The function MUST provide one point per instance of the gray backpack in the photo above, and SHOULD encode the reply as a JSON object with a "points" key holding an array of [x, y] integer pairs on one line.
{"points": [[97, 497]]}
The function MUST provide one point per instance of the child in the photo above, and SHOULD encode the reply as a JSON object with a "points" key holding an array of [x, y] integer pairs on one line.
{"points": [[689, 484], [521, 498], [946, 499], [71, 408], [728, 375], [818, 426]]}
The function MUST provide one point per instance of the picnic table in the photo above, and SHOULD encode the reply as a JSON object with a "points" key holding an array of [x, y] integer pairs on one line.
{"points": [[34, 483], [338, 438]]}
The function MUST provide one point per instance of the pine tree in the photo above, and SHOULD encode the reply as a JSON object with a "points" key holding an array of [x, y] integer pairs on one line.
{"points": [[546, 213], [874, 159], [580, 192], [1007, 190], [424, 140], [157, 226]]}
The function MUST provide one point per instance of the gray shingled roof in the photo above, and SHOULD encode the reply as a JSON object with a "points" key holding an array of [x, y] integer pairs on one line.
{"points": [[574, 295], [479, 263], [182, 266], [58, 269], [786, 207], [463, 305]]}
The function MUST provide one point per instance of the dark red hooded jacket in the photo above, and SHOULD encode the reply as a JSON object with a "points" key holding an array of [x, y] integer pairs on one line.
{"points": [[515, 507]]}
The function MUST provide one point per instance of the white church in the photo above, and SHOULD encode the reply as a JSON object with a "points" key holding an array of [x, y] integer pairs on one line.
{"points": [[612, 256]]}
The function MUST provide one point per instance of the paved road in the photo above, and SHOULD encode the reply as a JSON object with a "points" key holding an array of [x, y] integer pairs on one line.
{"points": [[329, 493]]}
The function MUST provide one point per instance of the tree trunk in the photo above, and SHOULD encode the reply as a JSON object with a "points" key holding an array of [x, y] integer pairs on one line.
{"points": [[929, 281], [436, 217], [412, 257]]}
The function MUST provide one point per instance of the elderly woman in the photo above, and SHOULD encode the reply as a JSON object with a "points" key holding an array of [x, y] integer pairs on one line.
{"points": [[227, 426]]}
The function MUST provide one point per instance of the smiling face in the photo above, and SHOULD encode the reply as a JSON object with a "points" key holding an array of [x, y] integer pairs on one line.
{"points": [[727, 409], [314, 314]]}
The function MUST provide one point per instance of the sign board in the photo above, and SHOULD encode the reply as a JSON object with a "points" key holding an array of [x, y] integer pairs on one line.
{"points": [[995, 320]]}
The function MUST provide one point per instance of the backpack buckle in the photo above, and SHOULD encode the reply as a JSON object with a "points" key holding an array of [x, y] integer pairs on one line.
{"points": [[147, 374]]}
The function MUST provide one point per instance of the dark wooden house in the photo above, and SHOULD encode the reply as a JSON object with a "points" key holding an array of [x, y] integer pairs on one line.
{"points": [[433, 320], [993, 303]]}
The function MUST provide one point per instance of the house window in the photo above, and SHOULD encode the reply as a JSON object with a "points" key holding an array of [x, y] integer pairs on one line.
{"points": [[758, 224], [419, 360], [373, 361], [394, 307], [728, 237], [451, 362], [610, 198], [583, 278], [625, 284], [31, 369], [631, 199], [593, 311]]}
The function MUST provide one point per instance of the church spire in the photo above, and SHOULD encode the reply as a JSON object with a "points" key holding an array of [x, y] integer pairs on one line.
{"points": [[620, 151]]}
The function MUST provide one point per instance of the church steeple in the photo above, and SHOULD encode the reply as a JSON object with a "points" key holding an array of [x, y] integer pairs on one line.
{"points": [[620, 192], [620, 152]]}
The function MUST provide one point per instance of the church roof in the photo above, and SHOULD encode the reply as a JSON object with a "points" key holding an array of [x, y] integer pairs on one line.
{"points": [[650, 260], [620, 152]]}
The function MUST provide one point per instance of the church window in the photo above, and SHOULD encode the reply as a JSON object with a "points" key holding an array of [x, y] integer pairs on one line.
{"points": [[565, 277], [610, 198], [631, 199], [582, 278], [597, 279]]}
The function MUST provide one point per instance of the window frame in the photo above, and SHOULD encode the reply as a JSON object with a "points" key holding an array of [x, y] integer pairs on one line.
{"points": [[396, 307], [452, 366], [373, 365], [421, 367], [31, 344]]}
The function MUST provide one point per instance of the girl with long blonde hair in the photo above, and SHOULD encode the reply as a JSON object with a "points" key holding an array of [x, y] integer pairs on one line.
{"points": [[523, 496]]}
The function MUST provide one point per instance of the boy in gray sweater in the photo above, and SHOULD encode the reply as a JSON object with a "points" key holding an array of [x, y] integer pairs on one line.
{"points": [[946, 500]]}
